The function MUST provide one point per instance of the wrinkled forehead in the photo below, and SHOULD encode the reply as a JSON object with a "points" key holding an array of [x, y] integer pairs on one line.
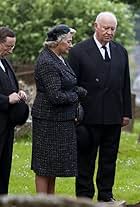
{"points": [[108, 23], [10, 39], [106, 18]]}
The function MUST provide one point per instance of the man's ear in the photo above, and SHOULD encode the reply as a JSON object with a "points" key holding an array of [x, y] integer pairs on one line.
{"points": [[94, 25]]}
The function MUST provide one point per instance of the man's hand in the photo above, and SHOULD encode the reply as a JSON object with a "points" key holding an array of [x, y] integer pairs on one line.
{"points": [[125, 121], [22, 95], [14, 98]]}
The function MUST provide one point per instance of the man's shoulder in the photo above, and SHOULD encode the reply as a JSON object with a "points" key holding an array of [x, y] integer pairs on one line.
{"points": [[84, 43], [44, 57], [118, 45]]}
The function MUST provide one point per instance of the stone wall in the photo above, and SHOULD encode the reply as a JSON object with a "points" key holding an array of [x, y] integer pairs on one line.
{"points": [[52, 201]]}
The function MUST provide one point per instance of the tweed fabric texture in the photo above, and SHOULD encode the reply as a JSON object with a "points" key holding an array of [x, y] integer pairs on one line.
{"points": [[55, 83], [54, 150]]}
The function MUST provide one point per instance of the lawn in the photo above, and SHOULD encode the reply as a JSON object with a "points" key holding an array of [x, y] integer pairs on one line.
{"points": [[127, 182]]}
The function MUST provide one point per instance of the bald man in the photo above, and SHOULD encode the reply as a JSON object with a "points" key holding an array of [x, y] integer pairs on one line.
{"points": [[101, 66]]}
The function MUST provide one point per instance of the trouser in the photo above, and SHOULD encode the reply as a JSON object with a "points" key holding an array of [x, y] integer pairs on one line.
{"points": [[103, 139], [6, 159]]}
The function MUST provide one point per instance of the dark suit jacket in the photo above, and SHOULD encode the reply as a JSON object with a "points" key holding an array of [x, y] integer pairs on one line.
{"points": [[108, 98], [8, 85], [55, 82]]}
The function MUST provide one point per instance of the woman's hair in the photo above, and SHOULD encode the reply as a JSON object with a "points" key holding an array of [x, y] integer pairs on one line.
{"points": [[57, 34]]}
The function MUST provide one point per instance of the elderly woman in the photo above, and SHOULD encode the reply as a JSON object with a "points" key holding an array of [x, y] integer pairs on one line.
{"points": [[54, 148]]}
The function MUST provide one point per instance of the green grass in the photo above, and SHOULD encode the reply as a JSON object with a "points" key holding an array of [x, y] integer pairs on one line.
{"points": [[127, 185], [127, 182]]}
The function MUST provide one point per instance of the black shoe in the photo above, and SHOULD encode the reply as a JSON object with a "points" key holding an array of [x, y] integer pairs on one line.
{"points": [[107, 200]]}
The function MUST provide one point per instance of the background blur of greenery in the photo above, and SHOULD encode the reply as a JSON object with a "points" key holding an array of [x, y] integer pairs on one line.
{"points": [[31, 19]]}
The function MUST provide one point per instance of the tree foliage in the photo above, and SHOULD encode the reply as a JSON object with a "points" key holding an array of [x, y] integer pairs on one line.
{"points": [[134, 3], [31, 19]]}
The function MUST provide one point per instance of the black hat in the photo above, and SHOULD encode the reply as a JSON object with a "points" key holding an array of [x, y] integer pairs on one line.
{"points": [[56, 31], [19, 113]]}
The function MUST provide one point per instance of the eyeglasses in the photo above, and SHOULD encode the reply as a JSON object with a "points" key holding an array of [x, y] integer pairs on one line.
{"points": [[8, 46]]}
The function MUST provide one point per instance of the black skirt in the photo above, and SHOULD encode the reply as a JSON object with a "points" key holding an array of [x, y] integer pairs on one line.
{"points": [[54, 148]]}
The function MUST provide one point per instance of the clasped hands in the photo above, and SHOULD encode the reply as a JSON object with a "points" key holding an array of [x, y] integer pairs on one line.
{"points": [[16, 97], [81, 92]]}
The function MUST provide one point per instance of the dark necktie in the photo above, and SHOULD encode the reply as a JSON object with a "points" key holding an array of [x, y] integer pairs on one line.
{"points": [[107, 59]]}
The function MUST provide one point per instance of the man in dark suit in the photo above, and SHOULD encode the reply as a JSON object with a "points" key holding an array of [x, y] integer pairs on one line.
{"points": [[102, 68], [9, 95]]}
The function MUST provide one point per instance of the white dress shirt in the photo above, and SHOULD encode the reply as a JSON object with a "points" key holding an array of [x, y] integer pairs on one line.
{"points": [[2, 66], [102, 51]]}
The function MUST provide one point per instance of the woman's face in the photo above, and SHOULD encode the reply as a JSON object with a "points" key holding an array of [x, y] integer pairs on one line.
{"points": [[65, 44]]}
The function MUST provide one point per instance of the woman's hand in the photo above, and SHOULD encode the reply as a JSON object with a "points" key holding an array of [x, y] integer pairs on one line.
{"points": [[82, 92]]}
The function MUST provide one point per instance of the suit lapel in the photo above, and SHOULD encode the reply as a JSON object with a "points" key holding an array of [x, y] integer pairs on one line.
{"points": [[96, 62], [115, 60], [9, 74], [115, 65], [114, 54], [3, 73], [69, 69], [93, 51], [59, 61], [95, 55]]}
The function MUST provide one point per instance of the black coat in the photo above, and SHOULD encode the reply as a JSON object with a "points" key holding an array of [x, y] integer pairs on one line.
{"points": [[109, 97], [8, 85]]}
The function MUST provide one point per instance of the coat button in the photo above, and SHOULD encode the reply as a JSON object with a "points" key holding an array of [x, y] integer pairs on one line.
{"points": [[97, 79]]}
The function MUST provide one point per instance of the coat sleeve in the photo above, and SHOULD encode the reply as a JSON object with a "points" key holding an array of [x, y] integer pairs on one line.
{"points": [[127, 112], [51, 80], [4, 102]]}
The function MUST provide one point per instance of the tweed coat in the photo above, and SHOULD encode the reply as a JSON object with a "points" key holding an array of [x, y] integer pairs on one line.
{"points": [[55, 81], [54, 148], [109, 97]]}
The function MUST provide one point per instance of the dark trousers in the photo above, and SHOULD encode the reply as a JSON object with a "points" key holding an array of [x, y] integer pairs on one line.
{"points": [[103, 139], [6, 159]]}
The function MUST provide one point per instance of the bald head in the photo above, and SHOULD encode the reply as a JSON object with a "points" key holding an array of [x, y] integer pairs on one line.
{"points": [[105, 27], [106, 15]]}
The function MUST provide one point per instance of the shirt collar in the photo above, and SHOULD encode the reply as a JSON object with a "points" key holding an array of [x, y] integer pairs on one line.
{"points": [[2, 66], [99, 45]]}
